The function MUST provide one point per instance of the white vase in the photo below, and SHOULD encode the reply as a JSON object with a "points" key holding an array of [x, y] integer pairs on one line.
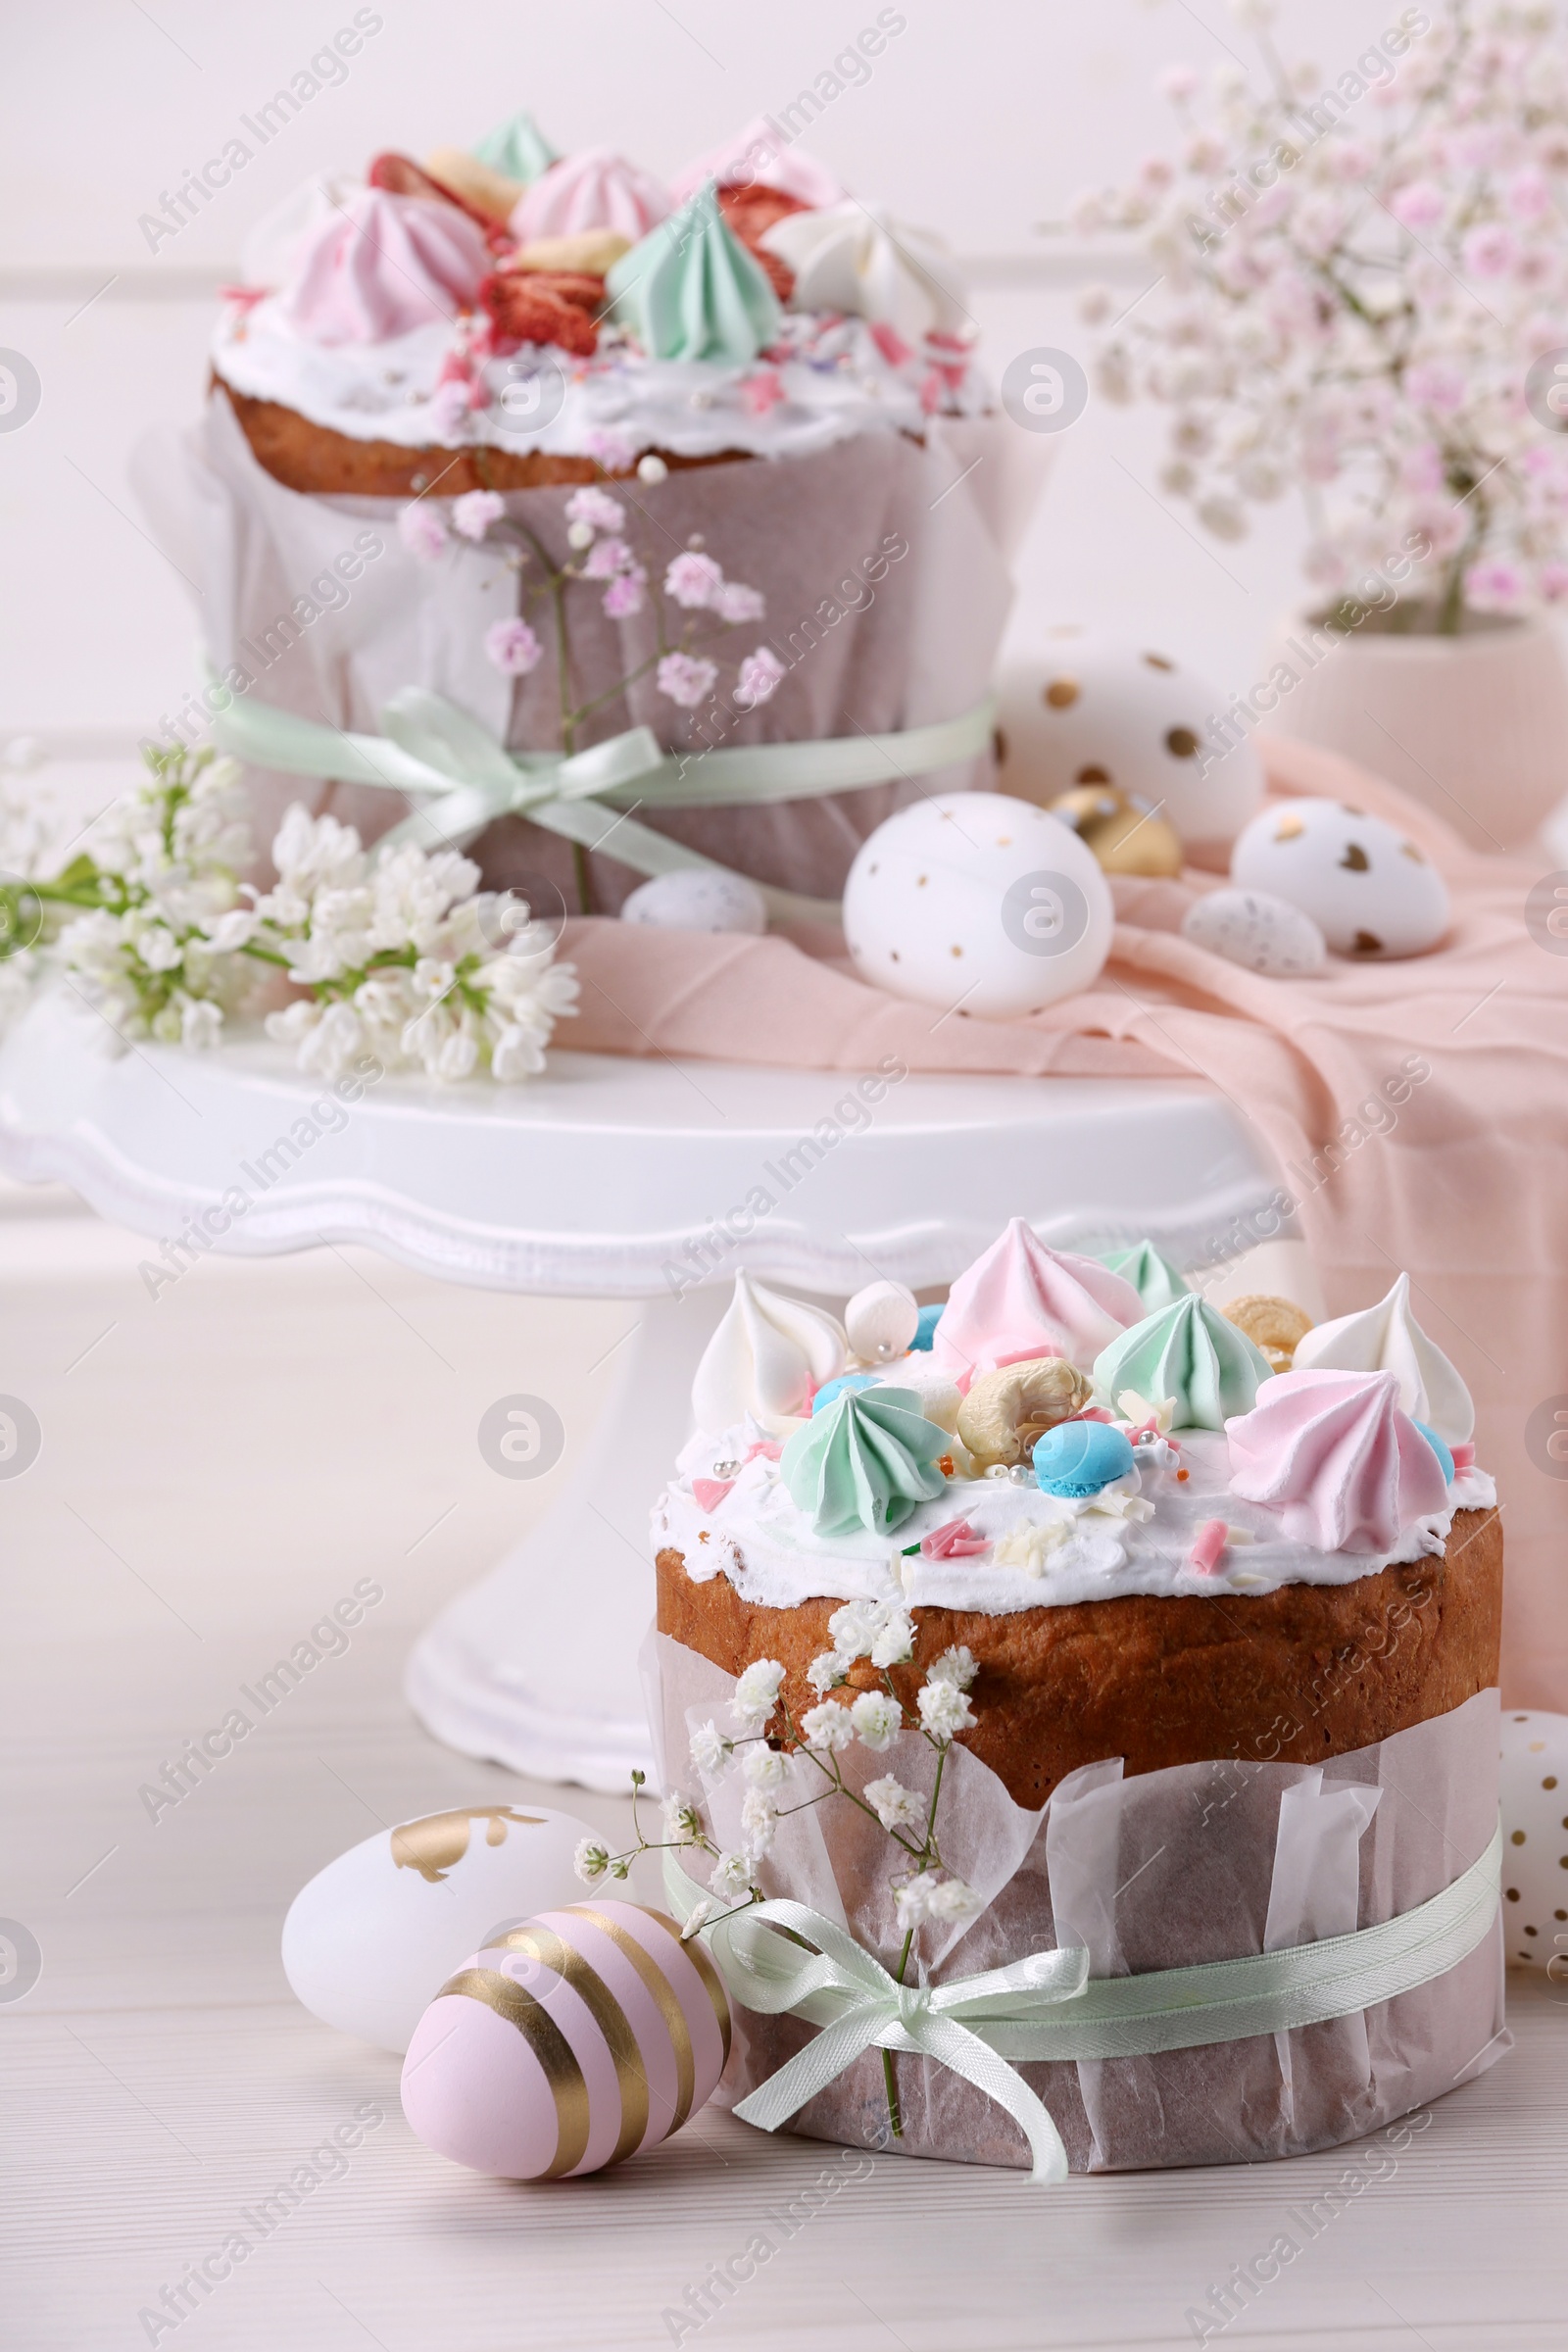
{"points": [[1474, 726]]}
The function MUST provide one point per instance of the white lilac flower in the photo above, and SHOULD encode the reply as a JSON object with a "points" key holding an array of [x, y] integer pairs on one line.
{"points": [[826, 1671], [951, 1900], [683, 1821], [912, 1902], [759, 1821], [475, 513], [944, 1709], [756, 1692], [590, 1861], [764, 1767], [877, 1719], [731, 1876], [828, 1728], [893, 1639], [709, 1750], [895, 1807], [955, 1665], [201, 1023]]}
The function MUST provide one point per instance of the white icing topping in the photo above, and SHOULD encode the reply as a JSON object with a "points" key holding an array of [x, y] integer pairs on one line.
{"points": [[767, 1355], [1386, 1337], [855, 258], [834, 380], [1089, 1551]]}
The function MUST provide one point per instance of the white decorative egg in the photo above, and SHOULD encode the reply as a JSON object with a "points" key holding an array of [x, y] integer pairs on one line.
{"points": [[1087, 710], [1256, 929], [1370, 892], [1534, 1796], [698, 899], [567, 2045], [881, 1320], [367, 1943], [977, 902]]}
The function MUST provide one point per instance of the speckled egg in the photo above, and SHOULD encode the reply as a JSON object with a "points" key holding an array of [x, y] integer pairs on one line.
{"points": [[1371, 890], [1259, 931], [979, 903], [1086, 710], [698, 899], [1080, 1458], [569, 2044], [367, 1942], [1534, 1795]]}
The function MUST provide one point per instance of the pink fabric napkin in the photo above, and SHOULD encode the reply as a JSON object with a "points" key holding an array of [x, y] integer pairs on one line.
{"points": [[1468, 1189]]}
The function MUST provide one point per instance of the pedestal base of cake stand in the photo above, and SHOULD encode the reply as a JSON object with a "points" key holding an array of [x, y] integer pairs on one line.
{"points": [[618, 1179]]}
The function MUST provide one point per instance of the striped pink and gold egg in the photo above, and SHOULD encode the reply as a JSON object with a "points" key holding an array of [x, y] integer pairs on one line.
{"points": [[569, 2044]]}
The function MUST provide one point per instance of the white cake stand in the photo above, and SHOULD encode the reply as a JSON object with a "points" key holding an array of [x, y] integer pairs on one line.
{"points": [[596, 1180]]}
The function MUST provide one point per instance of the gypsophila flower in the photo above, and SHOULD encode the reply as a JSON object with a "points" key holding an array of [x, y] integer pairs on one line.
{"points": [[693, 579], [597, 508], [877, 1719], [951, 1902], [955, 1665], [611, 450], [764, 1767], [895, 1807], [912, 1902], [826, 1671], [759, 1821], [944, 1709], [757, 679], [590, 1861], [579, 535], [683, 1821], [606, 558], [756, 1692], [686, 678], [422, 531], [735, 603], [894, 1638], [697, 1918], [624, 595], [512, 647], [854, 1629], [709, 1750], [651, 468], [731, 1876], [475, 513], [828, 1728]]}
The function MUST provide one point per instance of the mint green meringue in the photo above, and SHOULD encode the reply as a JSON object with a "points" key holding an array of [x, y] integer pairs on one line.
{"points": [[691, 290], [865, 1462], [519, 148], [1192, 1353], [1152, 1277]]}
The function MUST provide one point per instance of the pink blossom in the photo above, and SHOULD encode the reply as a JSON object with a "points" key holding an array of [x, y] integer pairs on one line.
{"points": [[597, 508], [1155, 173], [624, 595], [686, 678], [1178, 82], [1488, 251], [735, 602], [693, 580], [1492, 585], [511, 646], [475, 513], [760, 676], [423, 532], [1421, 468], [613, 451], [1529, 196], [1552, 582], [1420, 205], [1435, 385], [607, 558]]}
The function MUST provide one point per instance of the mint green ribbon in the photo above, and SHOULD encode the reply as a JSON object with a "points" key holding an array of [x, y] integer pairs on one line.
{"points": [[1047, 2006], [465, 778]]}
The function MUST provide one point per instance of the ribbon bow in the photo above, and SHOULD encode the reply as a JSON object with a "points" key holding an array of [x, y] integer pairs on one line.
{"points": [[464, 777], [846, 1991]]}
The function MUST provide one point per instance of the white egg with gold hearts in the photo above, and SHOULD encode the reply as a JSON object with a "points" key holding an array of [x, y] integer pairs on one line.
{"points": [[1370, 890], [1533, 1792], [979, 903], [569, 2044]]}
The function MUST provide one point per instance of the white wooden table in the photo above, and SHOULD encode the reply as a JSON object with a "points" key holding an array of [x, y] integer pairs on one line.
{"points": [[217, 1468]]}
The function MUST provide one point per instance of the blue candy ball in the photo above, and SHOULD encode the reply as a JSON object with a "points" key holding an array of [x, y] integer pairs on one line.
{"points": [[925, 1329], [1079, 1458], [1438, 1448], [831, 1389]]}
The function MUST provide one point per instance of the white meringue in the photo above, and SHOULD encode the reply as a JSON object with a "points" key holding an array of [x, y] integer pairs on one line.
{"points": [[767, 1355], [1386, 1337], [855, 258]]}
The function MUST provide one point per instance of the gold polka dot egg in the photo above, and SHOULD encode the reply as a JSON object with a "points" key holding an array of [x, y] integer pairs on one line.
{"points": [[569, 2044], [977, 902], [1083, 712], [1371, 891], [1534, 1795]]}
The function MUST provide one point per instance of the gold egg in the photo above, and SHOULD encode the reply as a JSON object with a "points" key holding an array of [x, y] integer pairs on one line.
{"points": [[1123, 838]]}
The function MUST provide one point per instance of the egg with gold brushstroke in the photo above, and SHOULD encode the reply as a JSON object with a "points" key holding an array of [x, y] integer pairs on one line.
{"points": [[1125, 836], [1370, 890], [372, 1936], [1533, 1792], [569, 2044]]}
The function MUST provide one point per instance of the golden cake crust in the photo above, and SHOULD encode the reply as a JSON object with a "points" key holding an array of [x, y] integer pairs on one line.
{"points": [[322, 463], [1293, 1676]]}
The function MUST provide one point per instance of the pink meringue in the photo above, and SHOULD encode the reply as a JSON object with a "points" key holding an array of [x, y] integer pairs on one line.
{"points": [[759, 156], [1332, 1452], [379, 266], [1021, 1300], [595, 189]]}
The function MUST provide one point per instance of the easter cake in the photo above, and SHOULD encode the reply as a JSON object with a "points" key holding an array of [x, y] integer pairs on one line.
{"points": [[1159, 1538]]}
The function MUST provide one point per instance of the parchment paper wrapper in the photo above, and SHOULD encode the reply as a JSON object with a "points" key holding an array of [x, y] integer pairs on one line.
{"points": [[864, 653], [1200, 1862]]}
